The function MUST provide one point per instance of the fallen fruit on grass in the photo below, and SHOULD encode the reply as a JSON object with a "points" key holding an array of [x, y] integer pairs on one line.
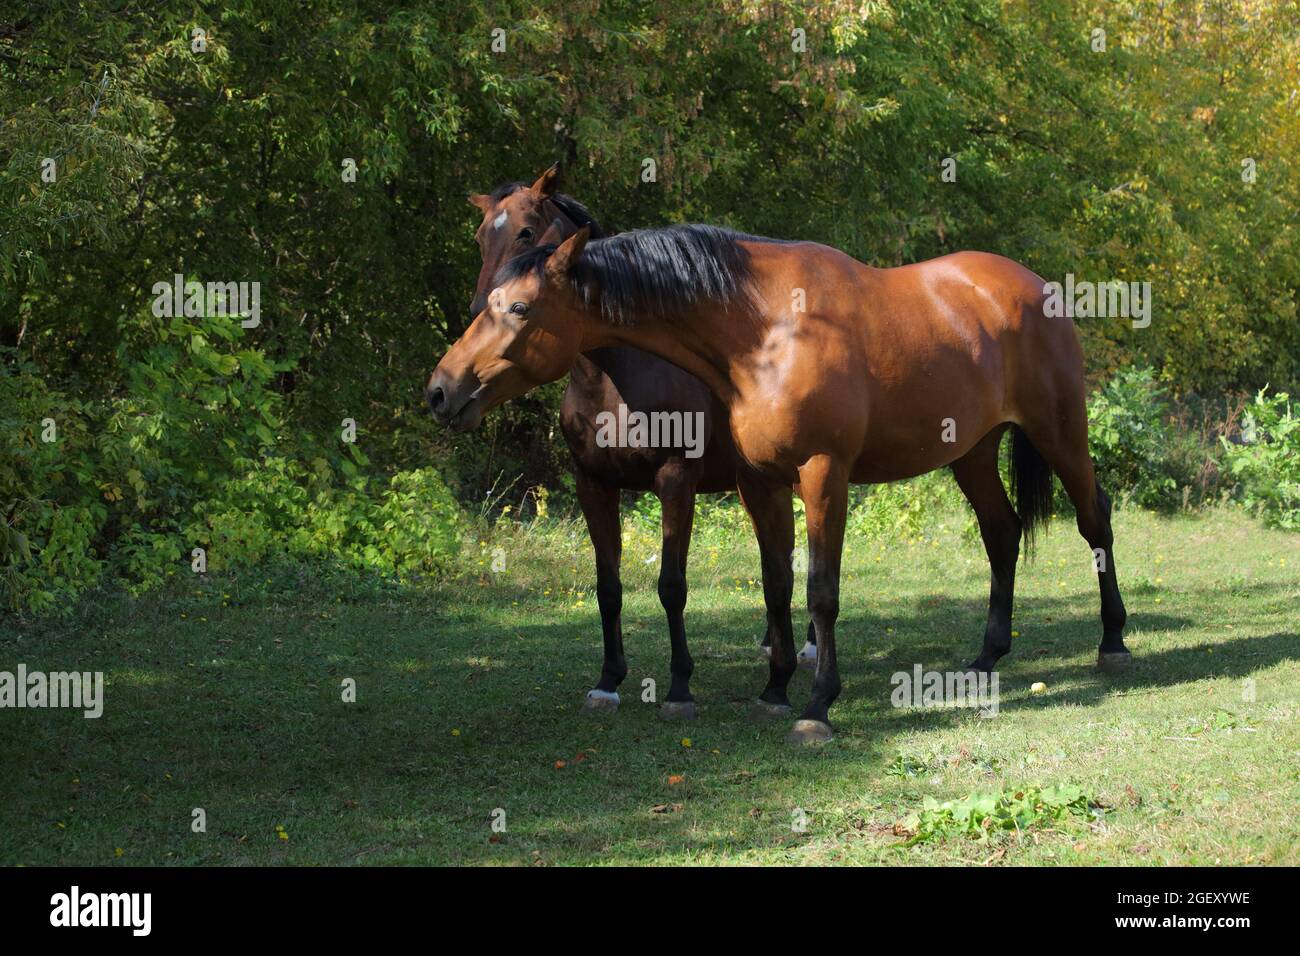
{"points": [[1038, 687]]}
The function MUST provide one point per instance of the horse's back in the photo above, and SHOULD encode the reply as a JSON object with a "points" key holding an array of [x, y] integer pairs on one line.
{"points": [[900, 370]]}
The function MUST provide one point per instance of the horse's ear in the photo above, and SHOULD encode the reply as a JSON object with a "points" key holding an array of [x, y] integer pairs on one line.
{"points": [[480, 200], [554, 233], [570, 251], [548, 182]]}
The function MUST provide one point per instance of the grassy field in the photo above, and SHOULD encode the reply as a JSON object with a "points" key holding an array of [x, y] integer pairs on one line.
{"points": [[225, 694]]}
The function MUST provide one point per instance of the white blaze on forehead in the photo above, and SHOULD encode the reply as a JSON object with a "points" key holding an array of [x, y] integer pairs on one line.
{"points": [[499, 221], [497, 299]]}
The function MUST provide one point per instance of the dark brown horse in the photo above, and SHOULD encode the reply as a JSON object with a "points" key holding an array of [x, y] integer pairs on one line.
{"points": [[516, 218], [833, 372]]}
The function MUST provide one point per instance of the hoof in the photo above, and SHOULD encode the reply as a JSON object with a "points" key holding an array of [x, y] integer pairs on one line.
{"points": [[1114, 662], [600, 700], [677, 710], [809, 732], [808, 656], [762, 710]]}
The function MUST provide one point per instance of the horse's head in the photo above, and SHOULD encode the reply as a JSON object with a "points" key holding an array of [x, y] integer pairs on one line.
{"points": [[514, 220], [528, 333]]}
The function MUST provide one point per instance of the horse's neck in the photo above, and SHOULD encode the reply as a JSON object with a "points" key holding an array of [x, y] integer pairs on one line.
{"points": [[590, 367], [706, 343]]}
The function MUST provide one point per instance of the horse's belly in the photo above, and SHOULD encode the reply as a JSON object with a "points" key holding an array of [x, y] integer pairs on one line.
{"points": [[904, 448], [879, 469]]}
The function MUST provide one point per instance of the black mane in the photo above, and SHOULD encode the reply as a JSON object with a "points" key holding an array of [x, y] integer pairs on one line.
{"points": [[660, 271]]}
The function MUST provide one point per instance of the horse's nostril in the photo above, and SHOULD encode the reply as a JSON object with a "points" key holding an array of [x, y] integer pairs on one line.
{"points": [[435, 398]]}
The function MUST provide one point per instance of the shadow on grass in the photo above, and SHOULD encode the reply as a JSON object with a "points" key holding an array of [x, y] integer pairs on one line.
{"points": [[458, 714]]}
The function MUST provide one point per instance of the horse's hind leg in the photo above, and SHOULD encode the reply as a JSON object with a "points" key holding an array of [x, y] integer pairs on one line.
{"points": [[825, 484], [1093, 506], [675, 488], [599, 504], [977, 476], [1066, 449], [807, 656]]}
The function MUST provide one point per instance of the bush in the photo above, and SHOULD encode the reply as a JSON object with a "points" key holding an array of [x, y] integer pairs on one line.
{"points": [[907, 509], [51, 507], [1266, 463], [415, 528], [279, 511], [192, 454], [1130, 440]]}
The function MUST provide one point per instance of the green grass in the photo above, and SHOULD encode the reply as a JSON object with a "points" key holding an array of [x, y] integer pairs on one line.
{"points": [[469, 694]]}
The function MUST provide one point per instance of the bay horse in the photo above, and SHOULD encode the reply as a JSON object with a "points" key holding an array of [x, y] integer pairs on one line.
{"points": [[517, 218], [832, 372]]}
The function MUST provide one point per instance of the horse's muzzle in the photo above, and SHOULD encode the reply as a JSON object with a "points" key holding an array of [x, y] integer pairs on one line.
{"points": [[450, 401], [437, 401]]}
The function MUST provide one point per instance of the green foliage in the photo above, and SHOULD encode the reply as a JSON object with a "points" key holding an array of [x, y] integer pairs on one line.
{"points": [[45, 539], [1130, 440], [415, 526], [1117, 165], [902, 510], [185, 457], [128, 465], [276, 510], [906, 767], [718, 518], [227, 162], [1267, 461], [907, 509], [63, 564], [981, 814]]}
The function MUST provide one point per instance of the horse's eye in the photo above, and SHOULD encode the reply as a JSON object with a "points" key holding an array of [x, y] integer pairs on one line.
{"points": [[519, 308], [525, 235]]}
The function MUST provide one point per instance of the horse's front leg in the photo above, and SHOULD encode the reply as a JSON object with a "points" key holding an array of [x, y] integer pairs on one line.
{"points": [[825, 487], [675, 488], [770, 508], [599, 504], [808, 655]]}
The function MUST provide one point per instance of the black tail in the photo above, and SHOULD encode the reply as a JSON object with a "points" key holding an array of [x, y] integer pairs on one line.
{"points": [[1031, 485]]}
